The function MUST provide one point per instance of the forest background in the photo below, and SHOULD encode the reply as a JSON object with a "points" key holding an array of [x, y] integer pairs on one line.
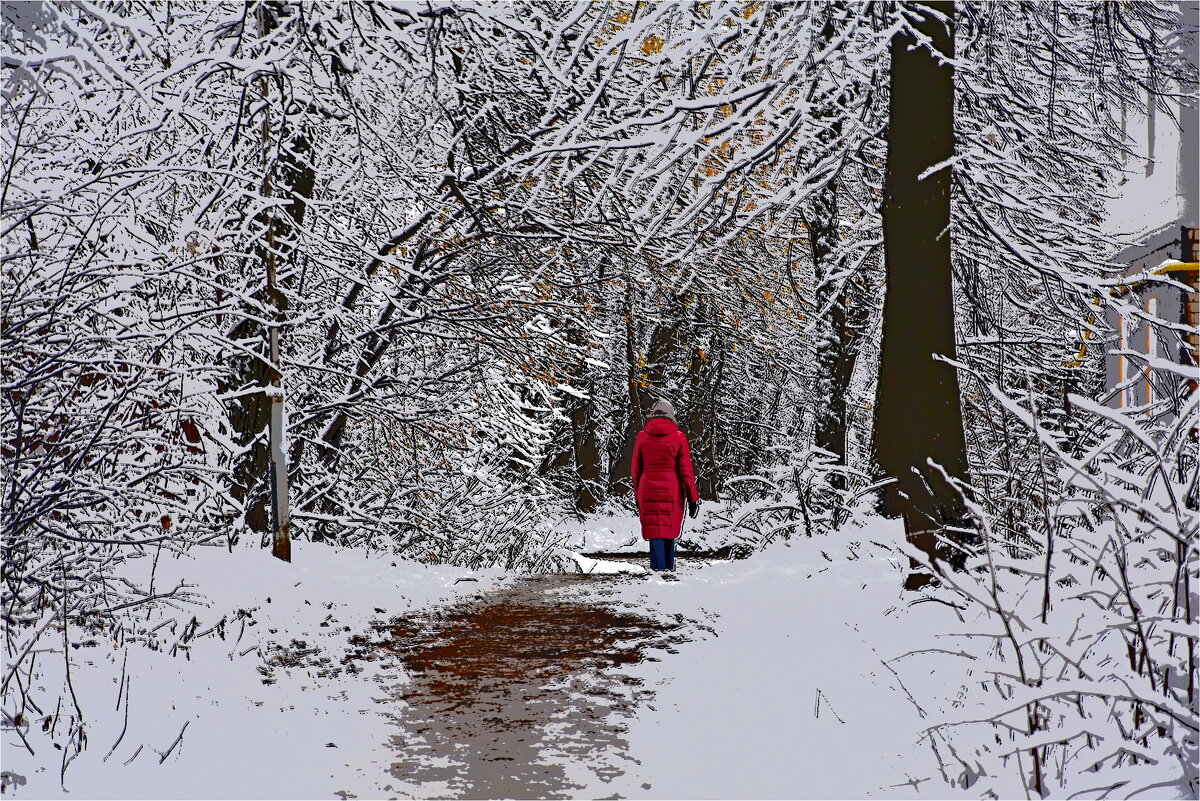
{"points": [[407, 278]]}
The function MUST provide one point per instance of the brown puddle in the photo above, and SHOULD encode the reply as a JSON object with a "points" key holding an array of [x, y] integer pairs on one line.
{"points": [[520, 693]]}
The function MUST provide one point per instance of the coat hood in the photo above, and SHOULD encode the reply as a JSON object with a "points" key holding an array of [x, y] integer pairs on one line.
{"points": [[660, 426]]}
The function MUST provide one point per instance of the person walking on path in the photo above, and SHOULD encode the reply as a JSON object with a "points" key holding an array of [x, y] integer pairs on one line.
{"points": [[663, 481]]}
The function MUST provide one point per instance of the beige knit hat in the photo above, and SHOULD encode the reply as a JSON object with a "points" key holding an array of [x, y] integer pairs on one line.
{"points": [[663, 408]]}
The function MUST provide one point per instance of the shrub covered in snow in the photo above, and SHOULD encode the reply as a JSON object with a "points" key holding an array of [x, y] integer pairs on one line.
{"points": [[1085, 656]]}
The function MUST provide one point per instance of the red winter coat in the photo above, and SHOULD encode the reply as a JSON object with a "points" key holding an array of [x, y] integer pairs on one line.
{"points": [[662, 473]]}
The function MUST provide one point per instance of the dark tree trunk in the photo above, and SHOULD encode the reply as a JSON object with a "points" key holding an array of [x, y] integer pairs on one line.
{"points": [[837, 351], [832, 361], [834, 356], [587, 456], [696, 425], [575, 446], [841, 327], [249, 414], [292, 175], [918, 416], [646, 381]]}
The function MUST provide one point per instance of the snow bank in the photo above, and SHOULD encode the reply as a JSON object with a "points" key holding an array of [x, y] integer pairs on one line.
{"points": [[606, 533], [305, 735], [588, 566]]}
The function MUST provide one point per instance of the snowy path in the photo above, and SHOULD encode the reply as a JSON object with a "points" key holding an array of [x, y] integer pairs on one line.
{"points": [[521, 693]]}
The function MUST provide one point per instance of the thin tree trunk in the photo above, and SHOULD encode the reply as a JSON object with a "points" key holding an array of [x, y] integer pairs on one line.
{"points": [[581, 449], [918, 417], [696, 424], [841, 329], [834, 362], [587, 456], [281, 546], [258, 417], [248, 419]]}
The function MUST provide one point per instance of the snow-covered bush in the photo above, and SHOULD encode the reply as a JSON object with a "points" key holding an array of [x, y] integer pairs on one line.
{"points": [[103, 374], [806, 493], [1087, 659], [458, 486]]}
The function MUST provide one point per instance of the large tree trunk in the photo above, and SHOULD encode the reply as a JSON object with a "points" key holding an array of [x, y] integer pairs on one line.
{"points": [[918, 417]]}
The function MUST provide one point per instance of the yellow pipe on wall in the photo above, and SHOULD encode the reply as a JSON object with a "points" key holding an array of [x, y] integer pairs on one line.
{"points": [[1162, 269]]}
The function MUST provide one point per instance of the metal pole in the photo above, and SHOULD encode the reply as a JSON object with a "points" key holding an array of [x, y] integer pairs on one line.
{"points": [[280, 504]]}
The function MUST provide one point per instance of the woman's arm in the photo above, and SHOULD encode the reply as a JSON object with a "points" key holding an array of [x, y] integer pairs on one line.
{"points": [[635, 464], [683, 464]]}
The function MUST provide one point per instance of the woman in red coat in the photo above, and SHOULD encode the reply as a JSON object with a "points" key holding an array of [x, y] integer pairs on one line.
{"points": [[663, 480]]}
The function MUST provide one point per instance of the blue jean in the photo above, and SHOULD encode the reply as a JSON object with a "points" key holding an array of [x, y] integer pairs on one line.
{"points": [[662, 554]]}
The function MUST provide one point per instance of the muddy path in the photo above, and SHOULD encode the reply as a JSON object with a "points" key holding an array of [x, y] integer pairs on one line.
{"points": [[520, 692]]}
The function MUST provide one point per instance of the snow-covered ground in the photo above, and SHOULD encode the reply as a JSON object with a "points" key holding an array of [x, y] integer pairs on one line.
{"points": [[303, 736], [801, 689], [807, 687]]}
